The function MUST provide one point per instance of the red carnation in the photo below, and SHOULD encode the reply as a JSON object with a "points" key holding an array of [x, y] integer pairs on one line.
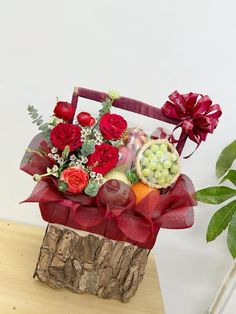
{"points": [[103, 159], [112, 126], [66, 134], [64, 110]]}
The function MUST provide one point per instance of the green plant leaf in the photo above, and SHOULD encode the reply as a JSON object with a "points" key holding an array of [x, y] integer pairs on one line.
{"points": [[226, 159], [215, 194], [66, 152], [220, 221], [231, 238], [231, 176]]}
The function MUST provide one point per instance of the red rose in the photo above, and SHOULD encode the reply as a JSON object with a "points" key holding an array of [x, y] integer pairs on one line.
{"points": [[85, 119], [64, 110], [66, 134], [76, 179], [103, 159], [112, 126]]}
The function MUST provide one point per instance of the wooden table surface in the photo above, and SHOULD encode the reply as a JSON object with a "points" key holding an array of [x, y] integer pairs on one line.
{"points": [[20, 293]]}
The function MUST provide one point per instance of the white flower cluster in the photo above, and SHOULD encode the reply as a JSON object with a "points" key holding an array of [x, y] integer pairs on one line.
{"points": [[97, 177], [98, 139], [56, 156], [77, 161], [87, 133], [53, 171]]}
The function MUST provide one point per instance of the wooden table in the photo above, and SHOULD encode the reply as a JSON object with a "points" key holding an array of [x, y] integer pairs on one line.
{"points": [[20, 293]]}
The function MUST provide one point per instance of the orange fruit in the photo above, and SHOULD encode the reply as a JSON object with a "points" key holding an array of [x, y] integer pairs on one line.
{"points": [[141, 190]]}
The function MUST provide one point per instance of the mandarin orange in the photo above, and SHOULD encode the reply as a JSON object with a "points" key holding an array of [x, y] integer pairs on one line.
{"points": [[141, 190]]}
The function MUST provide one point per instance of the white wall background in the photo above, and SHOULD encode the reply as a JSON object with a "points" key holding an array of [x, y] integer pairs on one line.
{"points": [[145, 49]]}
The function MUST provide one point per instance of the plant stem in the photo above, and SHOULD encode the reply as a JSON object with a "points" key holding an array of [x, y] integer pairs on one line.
{"points": [[225, 292]]}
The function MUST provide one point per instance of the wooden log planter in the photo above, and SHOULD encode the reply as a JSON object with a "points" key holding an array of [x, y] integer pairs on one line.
{"points": [[85, 262]]}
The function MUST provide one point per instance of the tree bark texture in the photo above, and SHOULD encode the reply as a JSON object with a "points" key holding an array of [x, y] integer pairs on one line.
{"points": [[85, 262]]}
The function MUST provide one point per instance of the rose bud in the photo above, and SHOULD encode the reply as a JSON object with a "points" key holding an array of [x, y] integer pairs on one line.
{"points": [[85, 119], [91, 122], [64, 110]]}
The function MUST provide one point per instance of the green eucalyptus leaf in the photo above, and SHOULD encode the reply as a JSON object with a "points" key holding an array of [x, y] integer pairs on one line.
{"points": [[106, 107], [62, 186], [226, 159], [231, 238], [87, 148], [220, 221], [215, 194], [231, 176], [92, 189]]}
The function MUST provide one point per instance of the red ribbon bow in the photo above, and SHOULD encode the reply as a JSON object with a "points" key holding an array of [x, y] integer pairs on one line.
{"points": [[196, 114]]}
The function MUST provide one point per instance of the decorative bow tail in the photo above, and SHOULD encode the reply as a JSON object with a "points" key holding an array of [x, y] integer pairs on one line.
{"points": [[196, 115]]}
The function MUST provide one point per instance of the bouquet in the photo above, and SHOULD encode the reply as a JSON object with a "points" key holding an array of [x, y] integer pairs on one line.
{"points": [[106, 189]]}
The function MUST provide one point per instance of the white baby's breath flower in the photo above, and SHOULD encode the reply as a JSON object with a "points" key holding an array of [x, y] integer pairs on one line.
{"points": [[55, 168], [89, 131], [54, 150], [84, 159], [60, 161], [99, 176], [92, 174], [56, 156], [72, 157]]}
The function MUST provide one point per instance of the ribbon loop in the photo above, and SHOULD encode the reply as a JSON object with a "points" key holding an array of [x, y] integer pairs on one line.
{"points": [[196, 115]]}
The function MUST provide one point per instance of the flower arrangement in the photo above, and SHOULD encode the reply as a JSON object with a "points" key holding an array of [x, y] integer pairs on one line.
{"points": [[81, 153], [95, 173]]}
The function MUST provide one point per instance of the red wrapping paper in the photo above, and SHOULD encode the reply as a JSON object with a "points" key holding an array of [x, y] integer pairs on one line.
{"points": [[114, 212]]}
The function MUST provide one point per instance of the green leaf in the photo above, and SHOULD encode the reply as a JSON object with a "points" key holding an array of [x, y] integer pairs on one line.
{"points": [[226, 159], [231, 238], [106, 107], [231, 176], [62, 186], [66, 152], [92, 189], [88, 148], [132, 176], [215, 194], [220, 221]]}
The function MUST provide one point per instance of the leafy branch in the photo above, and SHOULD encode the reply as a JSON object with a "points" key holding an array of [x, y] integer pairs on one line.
{"points": [[225, 217], [38, 119]]}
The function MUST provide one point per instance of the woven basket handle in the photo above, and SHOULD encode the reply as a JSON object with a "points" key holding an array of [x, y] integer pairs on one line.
{"points": [[126, 104], [122, 103]]}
